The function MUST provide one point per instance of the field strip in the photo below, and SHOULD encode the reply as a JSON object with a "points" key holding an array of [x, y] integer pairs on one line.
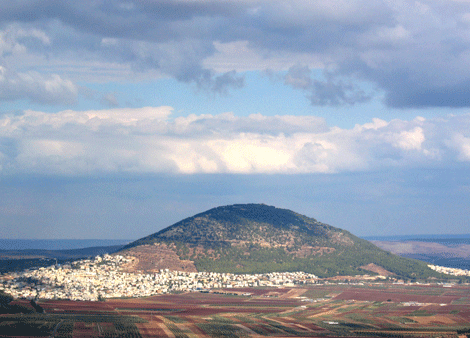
{"points": [[403, 332], [284, 320], [326, 313], [164, 327], [167, 331], [277, 321], [188, 330], [100, 330], [302, 327], [426, 320], [56, 328], [247, 330], [293, 293], [290, 324], [293, 310]]}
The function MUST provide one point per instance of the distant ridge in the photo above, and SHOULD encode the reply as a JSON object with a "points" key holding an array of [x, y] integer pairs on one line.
{"points": [[17, 260], [59, 254], [424, 238], [58, 244], [257, 238]]}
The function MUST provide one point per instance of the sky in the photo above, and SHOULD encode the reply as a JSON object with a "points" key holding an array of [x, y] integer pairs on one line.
{"points": [[119, 118]]}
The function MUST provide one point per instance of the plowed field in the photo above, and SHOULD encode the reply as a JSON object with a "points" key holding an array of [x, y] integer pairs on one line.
{"points": [[374, 310]]}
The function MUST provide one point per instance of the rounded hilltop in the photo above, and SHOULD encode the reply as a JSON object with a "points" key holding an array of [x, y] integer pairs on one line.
{"points": [[258, 238], [239, 222]]}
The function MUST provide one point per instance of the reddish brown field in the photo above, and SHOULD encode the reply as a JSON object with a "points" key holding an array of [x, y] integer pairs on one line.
{"points": [[381, 296], [317, 311]]}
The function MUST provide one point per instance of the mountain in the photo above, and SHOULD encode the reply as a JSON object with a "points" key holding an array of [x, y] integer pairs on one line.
{"points": [[257, 238]]}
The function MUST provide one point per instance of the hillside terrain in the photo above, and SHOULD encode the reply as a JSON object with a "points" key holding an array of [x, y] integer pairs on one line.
{"points": [[450, 253], [256, 238]]}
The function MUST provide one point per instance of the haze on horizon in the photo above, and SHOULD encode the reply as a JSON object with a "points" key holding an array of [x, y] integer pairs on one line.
{"points": [[119, 118]]}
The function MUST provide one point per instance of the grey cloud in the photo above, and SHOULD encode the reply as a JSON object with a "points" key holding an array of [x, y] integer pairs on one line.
{"points": [[156, 21], [182, 61], [257, 123], [318, 26], [168, 36], [416, 53], [336, 93], [330, 92], [422, 96], [299, 77], [110, 100], [227, 80]]}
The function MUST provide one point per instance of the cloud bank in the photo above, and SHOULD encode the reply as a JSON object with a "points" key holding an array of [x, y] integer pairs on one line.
{"points": [[415, 53], [149, 140]]}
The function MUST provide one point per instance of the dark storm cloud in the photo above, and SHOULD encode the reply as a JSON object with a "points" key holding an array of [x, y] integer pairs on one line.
{"points": [[416, 52]]}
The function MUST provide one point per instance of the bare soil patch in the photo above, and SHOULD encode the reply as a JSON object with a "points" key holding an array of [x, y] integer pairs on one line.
{"points": [[153, 258], [383, 296], [377, 269]]}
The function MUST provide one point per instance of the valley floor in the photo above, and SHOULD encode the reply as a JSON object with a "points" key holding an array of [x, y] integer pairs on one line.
{"points": [[327, 310]]}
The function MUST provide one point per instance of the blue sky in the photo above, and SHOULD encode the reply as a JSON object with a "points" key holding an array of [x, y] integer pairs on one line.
{"points": [[119, 118]]}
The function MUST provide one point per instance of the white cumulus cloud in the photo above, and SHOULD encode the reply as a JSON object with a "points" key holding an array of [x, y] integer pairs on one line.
{"points": [[149, 140], [36, 87]]}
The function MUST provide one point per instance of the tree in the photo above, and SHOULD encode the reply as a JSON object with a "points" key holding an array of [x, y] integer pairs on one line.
{"points": [[5, 299]]}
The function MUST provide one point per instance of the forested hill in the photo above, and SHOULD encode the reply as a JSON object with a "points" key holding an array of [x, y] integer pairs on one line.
{"points": [[255, 238]]}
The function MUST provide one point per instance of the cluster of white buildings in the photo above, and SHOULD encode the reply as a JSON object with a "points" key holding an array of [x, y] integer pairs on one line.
{"points": [[103, 278], [450, 271]]}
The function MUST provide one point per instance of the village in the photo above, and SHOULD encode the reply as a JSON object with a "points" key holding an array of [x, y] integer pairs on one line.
{"points": [[103, 277], [450, 271]]}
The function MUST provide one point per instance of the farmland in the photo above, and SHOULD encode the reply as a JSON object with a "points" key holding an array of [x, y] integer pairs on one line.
{"points": [[322, 310]]}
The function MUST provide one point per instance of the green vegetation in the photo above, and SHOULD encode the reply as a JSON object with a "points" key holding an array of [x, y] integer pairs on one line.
{"points": [[176, 319], [26, 327], [5, 299], [6, 306], [65, 330], [283, 328], [420, 313], [44, 324], [215, 329], [178, 332], [256, 238], [403, 320]]}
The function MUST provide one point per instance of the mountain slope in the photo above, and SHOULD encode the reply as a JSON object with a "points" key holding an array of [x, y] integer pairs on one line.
{"points": [[256, 238]]}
